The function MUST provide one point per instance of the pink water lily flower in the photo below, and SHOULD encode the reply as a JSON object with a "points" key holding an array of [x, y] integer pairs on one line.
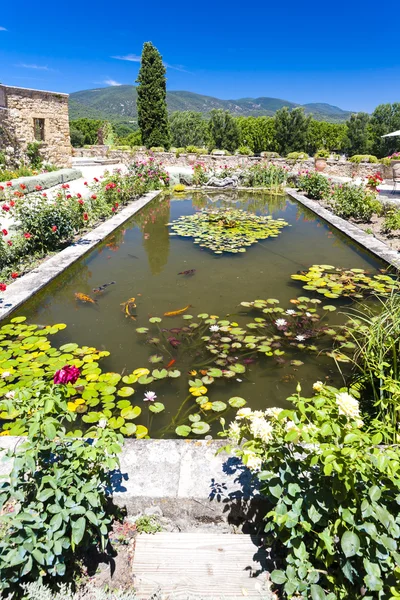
{"points": [[68, 374], [149, 396]]}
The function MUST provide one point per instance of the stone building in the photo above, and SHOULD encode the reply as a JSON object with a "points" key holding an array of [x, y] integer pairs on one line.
{"points": [[28, 116]]}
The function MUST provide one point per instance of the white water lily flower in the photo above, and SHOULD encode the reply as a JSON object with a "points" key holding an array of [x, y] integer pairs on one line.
{"points": [[214, 328], [290, 312], [253, 461], [149, 397], [300, 338], [10, 394], [308, 314], [102, 423], [243, 413], [280, 323], [318, 386], [5, 374], [348, 405]]}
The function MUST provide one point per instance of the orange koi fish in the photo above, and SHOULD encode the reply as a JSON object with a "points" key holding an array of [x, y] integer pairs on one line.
{"points": [[171, 362], [128, 305], [180, 311], [84, 298]]}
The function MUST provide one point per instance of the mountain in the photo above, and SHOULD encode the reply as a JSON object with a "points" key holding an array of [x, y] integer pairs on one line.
{"points": [[118, 103]]}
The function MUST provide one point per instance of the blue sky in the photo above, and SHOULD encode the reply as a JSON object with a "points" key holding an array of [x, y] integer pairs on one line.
{"points": [[343, 53]]}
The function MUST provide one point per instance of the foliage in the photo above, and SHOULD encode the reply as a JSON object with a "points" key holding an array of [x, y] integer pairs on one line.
{"points": [[200, 174], [33, 153], [61, 487], [333, 521], [152, 99], [297, 156], [105, 134], [291, 130], [151, 174], [363, 158], [223, 130], [354, 201], [188, 128], [357, 136], [334, 282], [270, 155], [224, 230], [196, 150], [322, 154], [88, 128], [373, 181], [266, 175], [133, 139], [384, 119], [325, 135], [258, 133], [77, 138], [315, 185], [392, 221], [245, 151], [148, 524]]}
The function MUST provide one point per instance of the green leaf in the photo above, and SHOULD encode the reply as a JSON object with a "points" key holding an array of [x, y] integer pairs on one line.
{"points": [[183, 430], [156, 407], [125, 392], [200, 427], [317, 593], [78, 530], [350, 543], [278, 577], [174, 374], [237, 402], [50, 430], [218, 406], [157, 374], [131, 412], [374, 493]]}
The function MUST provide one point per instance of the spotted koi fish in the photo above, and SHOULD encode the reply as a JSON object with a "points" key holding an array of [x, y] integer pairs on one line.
{"points": [[188, 272], [180, 311], [84, 298], [101, 288], [129, 305]]}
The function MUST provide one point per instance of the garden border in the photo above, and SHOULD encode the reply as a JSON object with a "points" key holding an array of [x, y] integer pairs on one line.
{"points": [[366, 240], [22, 289]]}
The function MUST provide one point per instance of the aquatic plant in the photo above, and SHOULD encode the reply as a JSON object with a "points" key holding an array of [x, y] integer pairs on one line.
{"points": [[265, 175], [334, 282], [226, 230]]}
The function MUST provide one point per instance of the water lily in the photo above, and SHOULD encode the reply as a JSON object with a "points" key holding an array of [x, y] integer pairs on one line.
{"points": [[149, 396], [300, 338], [280, 322], [102, 423], [68, 374], [5, 374], [290, 312], [214, 328]]}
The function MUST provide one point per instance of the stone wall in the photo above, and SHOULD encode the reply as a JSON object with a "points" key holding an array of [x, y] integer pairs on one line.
{"points": [[19, 108], [334, 167]]}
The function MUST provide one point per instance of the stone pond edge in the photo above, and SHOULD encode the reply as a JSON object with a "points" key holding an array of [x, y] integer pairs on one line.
{"points": [[28, 285], [366, 240]]}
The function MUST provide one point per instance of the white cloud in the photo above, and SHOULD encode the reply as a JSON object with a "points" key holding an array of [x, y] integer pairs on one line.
{"points": [[111, 82], [3, 29], [136, 58], [37, 67]]}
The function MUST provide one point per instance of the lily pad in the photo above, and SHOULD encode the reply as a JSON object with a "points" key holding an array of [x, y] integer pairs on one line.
{"points": [[183, 430], [156, 407]]}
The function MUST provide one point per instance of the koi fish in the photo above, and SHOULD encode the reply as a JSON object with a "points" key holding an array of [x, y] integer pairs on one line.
{"points": [[101, 288], [128, 305], [203, 371], [171, 362], [84, 298], [174, 313], [133, 256], [188, 272]]}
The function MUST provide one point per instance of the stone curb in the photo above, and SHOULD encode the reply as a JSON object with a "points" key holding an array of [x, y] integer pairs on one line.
{"points": [[46, 180], [369, 242], [22, 289]]}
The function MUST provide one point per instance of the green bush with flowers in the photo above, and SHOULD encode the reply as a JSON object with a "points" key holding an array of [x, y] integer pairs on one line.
{"points": [[333, 522], [315, 185], [150, 172], [354, 201]]}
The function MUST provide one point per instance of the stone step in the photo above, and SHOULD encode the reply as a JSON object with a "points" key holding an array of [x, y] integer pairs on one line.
{"points": [[200, 565]]}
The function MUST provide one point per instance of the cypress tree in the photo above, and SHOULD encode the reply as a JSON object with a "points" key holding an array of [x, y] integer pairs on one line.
{"points": [[152, 99]]}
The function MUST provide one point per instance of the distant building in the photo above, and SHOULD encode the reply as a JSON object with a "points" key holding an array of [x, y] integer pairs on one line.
{"points": [[28, 116]]}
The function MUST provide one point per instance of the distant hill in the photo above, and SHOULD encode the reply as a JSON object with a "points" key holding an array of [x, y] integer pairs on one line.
{"points": [[119, 103]]}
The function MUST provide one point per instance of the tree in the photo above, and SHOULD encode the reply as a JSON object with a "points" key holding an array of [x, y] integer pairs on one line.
{"points": [[257, 132], [385, 119], [327, 136], [188, 128], [357, 141], [77, 138], [223, 130], [88, 128], [291, 130], [152, 99]]}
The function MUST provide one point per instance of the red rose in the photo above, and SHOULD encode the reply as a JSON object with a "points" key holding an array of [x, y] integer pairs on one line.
{"points": [[3, 287], [38, 187], [22, 186], [27, 236], [54, 228], [44, 195], [80, 201], [95, 179], [85, 216], [5, 232], [68, 196], [14, 275], [5, 207], [79, 196], [113, 209], [65, 186], [93, 196], [9, 242], [85, 183], [8, 184], [1, 188], [116, 205], [12, 203]]}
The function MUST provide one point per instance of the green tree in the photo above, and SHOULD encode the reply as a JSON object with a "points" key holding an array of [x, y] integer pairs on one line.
{"points": [[88, 127], [133, 139], [77, 138], [323, 135], [291, 130], [188, 128], [152, 99], [223, 130], [357, 135], [385, 119], [258, 133]]}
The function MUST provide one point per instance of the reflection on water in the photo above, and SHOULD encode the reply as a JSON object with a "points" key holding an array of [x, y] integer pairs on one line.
{"points": [[144, 261]]}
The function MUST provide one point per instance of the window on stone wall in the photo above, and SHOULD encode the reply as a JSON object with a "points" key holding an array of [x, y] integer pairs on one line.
{"points": [[38, 129]]}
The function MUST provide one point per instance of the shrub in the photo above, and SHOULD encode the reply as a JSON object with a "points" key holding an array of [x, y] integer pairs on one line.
{"points": [[322, 154], [179, 151], [157, 149], [395, 156], [245, 151], [354, 201], [265, 175], [392, 220], [361, 158], [151, 174], [56, 502], [200, 174], [333, 522], [270, 155], [33, 153], [297, 156], [315, 185]]}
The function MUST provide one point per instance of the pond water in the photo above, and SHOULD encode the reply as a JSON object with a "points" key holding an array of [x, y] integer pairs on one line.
{"points": [[144, 261]]}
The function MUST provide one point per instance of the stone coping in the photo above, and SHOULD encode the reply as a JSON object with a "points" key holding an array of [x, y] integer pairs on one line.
{"points": [[15, 87], [45, 180], [366, 240], [25, 287]]}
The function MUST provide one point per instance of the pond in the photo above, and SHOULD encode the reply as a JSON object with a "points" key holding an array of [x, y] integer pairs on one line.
{"points": [[146, 263]]}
